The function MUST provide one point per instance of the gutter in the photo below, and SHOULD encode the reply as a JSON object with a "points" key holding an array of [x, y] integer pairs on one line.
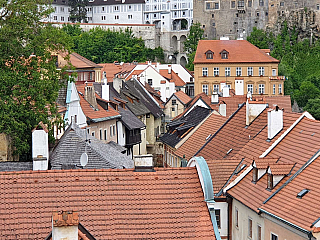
{"points": [[104, 119]]}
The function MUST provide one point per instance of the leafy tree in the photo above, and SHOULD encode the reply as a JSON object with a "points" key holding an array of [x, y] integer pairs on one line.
{"points": [[259, 38], [78, 11], [29, 79], [102, 46], [191, 43], [313, 107], [306, 91]]}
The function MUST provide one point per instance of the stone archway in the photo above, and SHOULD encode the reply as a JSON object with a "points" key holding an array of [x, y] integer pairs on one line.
{"points": [[174, 43], [183, 61], [182, 40], [184, 24]]}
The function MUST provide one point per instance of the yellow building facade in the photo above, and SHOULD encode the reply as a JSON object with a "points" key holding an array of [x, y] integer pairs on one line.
{"points": [[238, 65]]}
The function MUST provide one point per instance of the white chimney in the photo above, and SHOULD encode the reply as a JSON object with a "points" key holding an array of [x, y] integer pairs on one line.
{"points": [[225, 91], [253, 109], [275, 122], [65, 225], [223, 109], [224, 38], [105, 90], [169, 69], [40, 147], [158, 67], [117, 84], [214, 98]]}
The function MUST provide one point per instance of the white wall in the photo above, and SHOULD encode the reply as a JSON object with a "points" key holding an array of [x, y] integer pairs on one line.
{"points": [[68, 233], [121, 134], [197, 103], [223, 206]]}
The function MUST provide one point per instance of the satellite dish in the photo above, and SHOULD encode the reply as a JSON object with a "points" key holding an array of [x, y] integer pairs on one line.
{"points": [[170, 57], [84, 159]]}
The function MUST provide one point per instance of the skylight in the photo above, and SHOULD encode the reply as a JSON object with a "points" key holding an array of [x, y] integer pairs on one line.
{"points": [[302, 193]]}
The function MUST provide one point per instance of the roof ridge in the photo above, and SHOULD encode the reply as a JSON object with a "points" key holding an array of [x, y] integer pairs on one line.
{"points": [[226, 122]]}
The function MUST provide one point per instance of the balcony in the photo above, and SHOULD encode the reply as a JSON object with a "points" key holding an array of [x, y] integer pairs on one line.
{"points": [[277, 78], [241, 8]]}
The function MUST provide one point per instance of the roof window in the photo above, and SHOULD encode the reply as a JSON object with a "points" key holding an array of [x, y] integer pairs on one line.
{"points": [[270, 181], [302, 193], [224, 54], [254, 174], [209, 54]]}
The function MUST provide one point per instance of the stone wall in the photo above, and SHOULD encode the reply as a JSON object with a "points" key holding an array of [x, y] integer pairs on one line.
{"points": [[6, 149]]}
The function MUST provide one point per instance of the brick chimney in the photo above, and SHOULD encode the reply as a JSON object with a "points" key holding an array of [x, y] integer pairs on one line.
{"points": [[89, 95], [40, 147], [65, 225], [275, 122]]}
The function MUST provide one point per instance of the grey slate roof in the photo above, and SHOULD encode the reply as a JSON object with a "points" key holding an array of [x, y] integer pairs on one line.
{"points": [[15, 166], [194, 117], [72, 144], [142, 103]]}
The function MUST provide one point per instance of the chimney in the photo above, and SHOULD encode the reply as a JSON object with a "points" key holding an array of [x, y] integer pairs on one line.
{"points": [[105, 90], [89, 95], [158, 67], [225, 91], [275, 122], [143, 163], [40, 147], [65, 225], [169, 69], [223, 109], [214, 97], [253, 109]]}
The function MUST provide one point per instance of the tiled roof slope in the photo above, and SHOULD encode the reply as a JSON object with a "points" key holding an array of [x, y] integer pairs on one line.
{"points": [[281, 101], [258, 143], [111, 69], [240, 51], [173, 77], [112, 204], [184, 98], [191, 120], [73, 143], [199, 137], [221, 171], [79, 61], [306, 211], [90, 112], [232, 103]]}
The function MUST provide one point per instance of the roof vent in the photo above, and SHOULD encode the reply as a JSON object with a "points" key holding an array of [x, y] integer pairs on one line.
{"points": [[302, 193], [229, 151], [208, 137]]}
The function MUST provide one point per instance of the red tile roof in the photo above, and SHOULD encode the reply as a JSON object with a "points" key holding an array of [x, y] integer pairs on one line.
{"points": [[240, 51], [79, 61], [113, 204], [199, 137], [304, 211], [281, 101], [184, 98], [90, 112], [111, 69], [173, 77]]}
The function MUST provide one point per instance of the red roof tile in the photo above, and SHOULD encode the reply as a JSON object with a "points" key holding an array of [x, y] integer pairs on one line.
{"points": [[184, 98], [281, 101], [111, 69], [113, 204], [79, 61], [173, 77], [240, 51]]}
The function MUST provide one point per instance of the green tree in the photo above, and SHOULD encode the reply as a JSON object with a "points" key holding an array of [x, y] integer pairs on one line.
{"points": [[78, 11], [191, 43], [260, 38], [313, 107], [29, 78], [306, 91]]}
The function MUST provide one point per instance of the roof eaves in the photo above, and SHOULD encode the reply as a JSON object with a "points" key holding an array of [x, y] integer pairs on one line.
{"points": [[238, 179], [95, 120]]}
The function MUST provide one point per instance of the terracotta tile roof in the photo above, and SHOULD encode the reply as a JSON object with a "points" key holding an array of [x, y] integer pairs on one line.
{"points": [[116, 204], [79, 61], [221, 171], [134, 72], [281, 169], [281, 101], [173, 77], [111, 69], [90, 112], [232, 103], [65, 218], [306, 211], [184, 98], [199, 137], [240, 51]]}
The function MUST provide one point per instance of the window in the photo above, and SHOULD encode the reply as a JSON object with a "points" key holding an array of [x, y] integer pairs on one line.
{"points": [[241, 4], [227, 72], [250, 88], [254, 174], [274, 89], [233, 4], [280, 88], [270, 181], [250, 228], [92, 134], [114, 130], [261, 3], [129, 16], [237, 218], [281, 4], [103, 17], [274, 72], [318, 7], [205, 88], [250, 71], [224, 54], [55, 18], [105, 134], [209, 55], [216, 88], [62, 19], [274, 237], [62, 9], [102, 9], [250, 3], [238, 71], [174, 102], [261, 71], [216, 71], [129, 7], [261, 88], [216, 5], [150, 82], [204, 72], [116, 17], [217, 213], [100, 134], [259, 233], [110, 131]]}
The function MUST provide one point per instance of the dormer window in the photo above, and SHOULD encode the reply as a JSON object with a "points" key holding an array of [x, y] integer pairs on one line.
{"points": [[270, 181], [209, 54], [224, 54], [254, 174]]}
